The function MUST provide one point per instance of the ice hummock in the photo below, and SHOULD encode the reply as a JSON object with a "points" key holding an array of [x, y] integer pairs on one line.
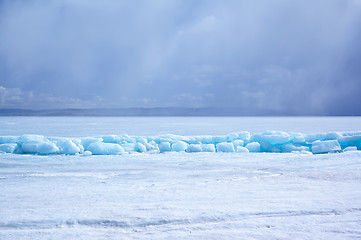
{"points": [[270, 141]]}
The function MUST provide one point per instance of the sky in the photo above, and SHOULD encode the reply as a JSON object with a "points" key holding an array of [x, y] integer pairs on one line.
{"points": [[257, 57]]}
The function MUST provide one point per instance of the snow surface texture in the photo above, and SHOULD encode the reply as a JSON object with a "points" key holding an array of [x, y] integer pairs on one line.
{"points": [[270, 141], [181, 196]]}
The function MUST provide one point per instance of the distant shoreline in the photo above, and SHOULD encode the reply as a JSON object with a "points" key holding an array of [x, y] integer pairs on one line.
{"points": [[156, 112]]}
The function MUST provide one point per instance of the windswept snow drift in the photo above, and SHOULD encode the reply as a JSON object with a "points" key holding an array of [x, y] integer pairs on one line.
{"points": [[270, 141]]}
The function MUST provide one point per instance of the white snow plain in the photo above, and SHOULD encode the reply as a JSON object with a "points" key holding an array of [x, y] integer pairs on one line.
{"points": [[191, 193]]}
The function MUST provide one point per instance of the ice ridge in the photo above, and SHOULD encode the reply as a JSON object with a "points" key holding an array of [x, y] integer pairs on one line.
{"points": [[270, 141]]}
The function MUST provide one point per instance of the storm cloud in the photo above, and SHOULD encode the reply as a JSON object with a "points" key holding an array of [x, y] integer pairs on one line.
{"points": [[279, 56]]}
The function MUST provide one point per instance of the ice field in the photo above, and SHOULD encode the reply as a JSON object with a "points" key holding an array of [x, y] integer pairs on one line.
{"points": [[180, 193], [112, 144]]}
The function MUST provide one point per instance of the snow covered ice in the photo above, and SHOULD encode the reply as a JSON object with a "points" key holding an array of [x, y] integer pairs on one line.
{"points": [[300, 183], [181, 196]]}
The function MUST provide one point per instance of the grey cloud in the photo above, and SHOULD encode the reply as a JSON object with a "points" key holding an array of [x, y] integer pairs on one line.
{"points": [[287, 57], [16, 98]]}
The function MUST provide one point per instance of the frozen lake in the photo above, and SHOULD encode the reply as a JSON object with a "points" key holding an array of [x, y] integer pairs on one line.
{"points": [[145, 126], [179, 195]]}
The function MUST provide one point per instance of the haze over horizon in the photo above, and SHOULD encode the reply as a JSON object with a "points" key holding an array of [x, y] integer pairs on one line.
{"points": [[258, 57]]}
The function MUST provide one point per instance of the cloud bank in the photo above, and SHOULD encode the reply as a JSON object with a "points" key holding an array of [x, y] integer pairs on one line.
{"points": [[285, 57]]}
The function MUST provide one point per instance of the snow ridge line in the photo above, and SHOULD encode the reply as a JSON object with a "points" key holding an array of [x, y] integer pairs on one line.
{"points": [[107, 223]]}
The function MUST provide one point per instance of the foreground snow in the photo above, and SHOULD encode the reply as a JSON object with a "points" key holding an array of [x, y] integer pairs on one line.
{"points": [[181, 196], [270, 141]]}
